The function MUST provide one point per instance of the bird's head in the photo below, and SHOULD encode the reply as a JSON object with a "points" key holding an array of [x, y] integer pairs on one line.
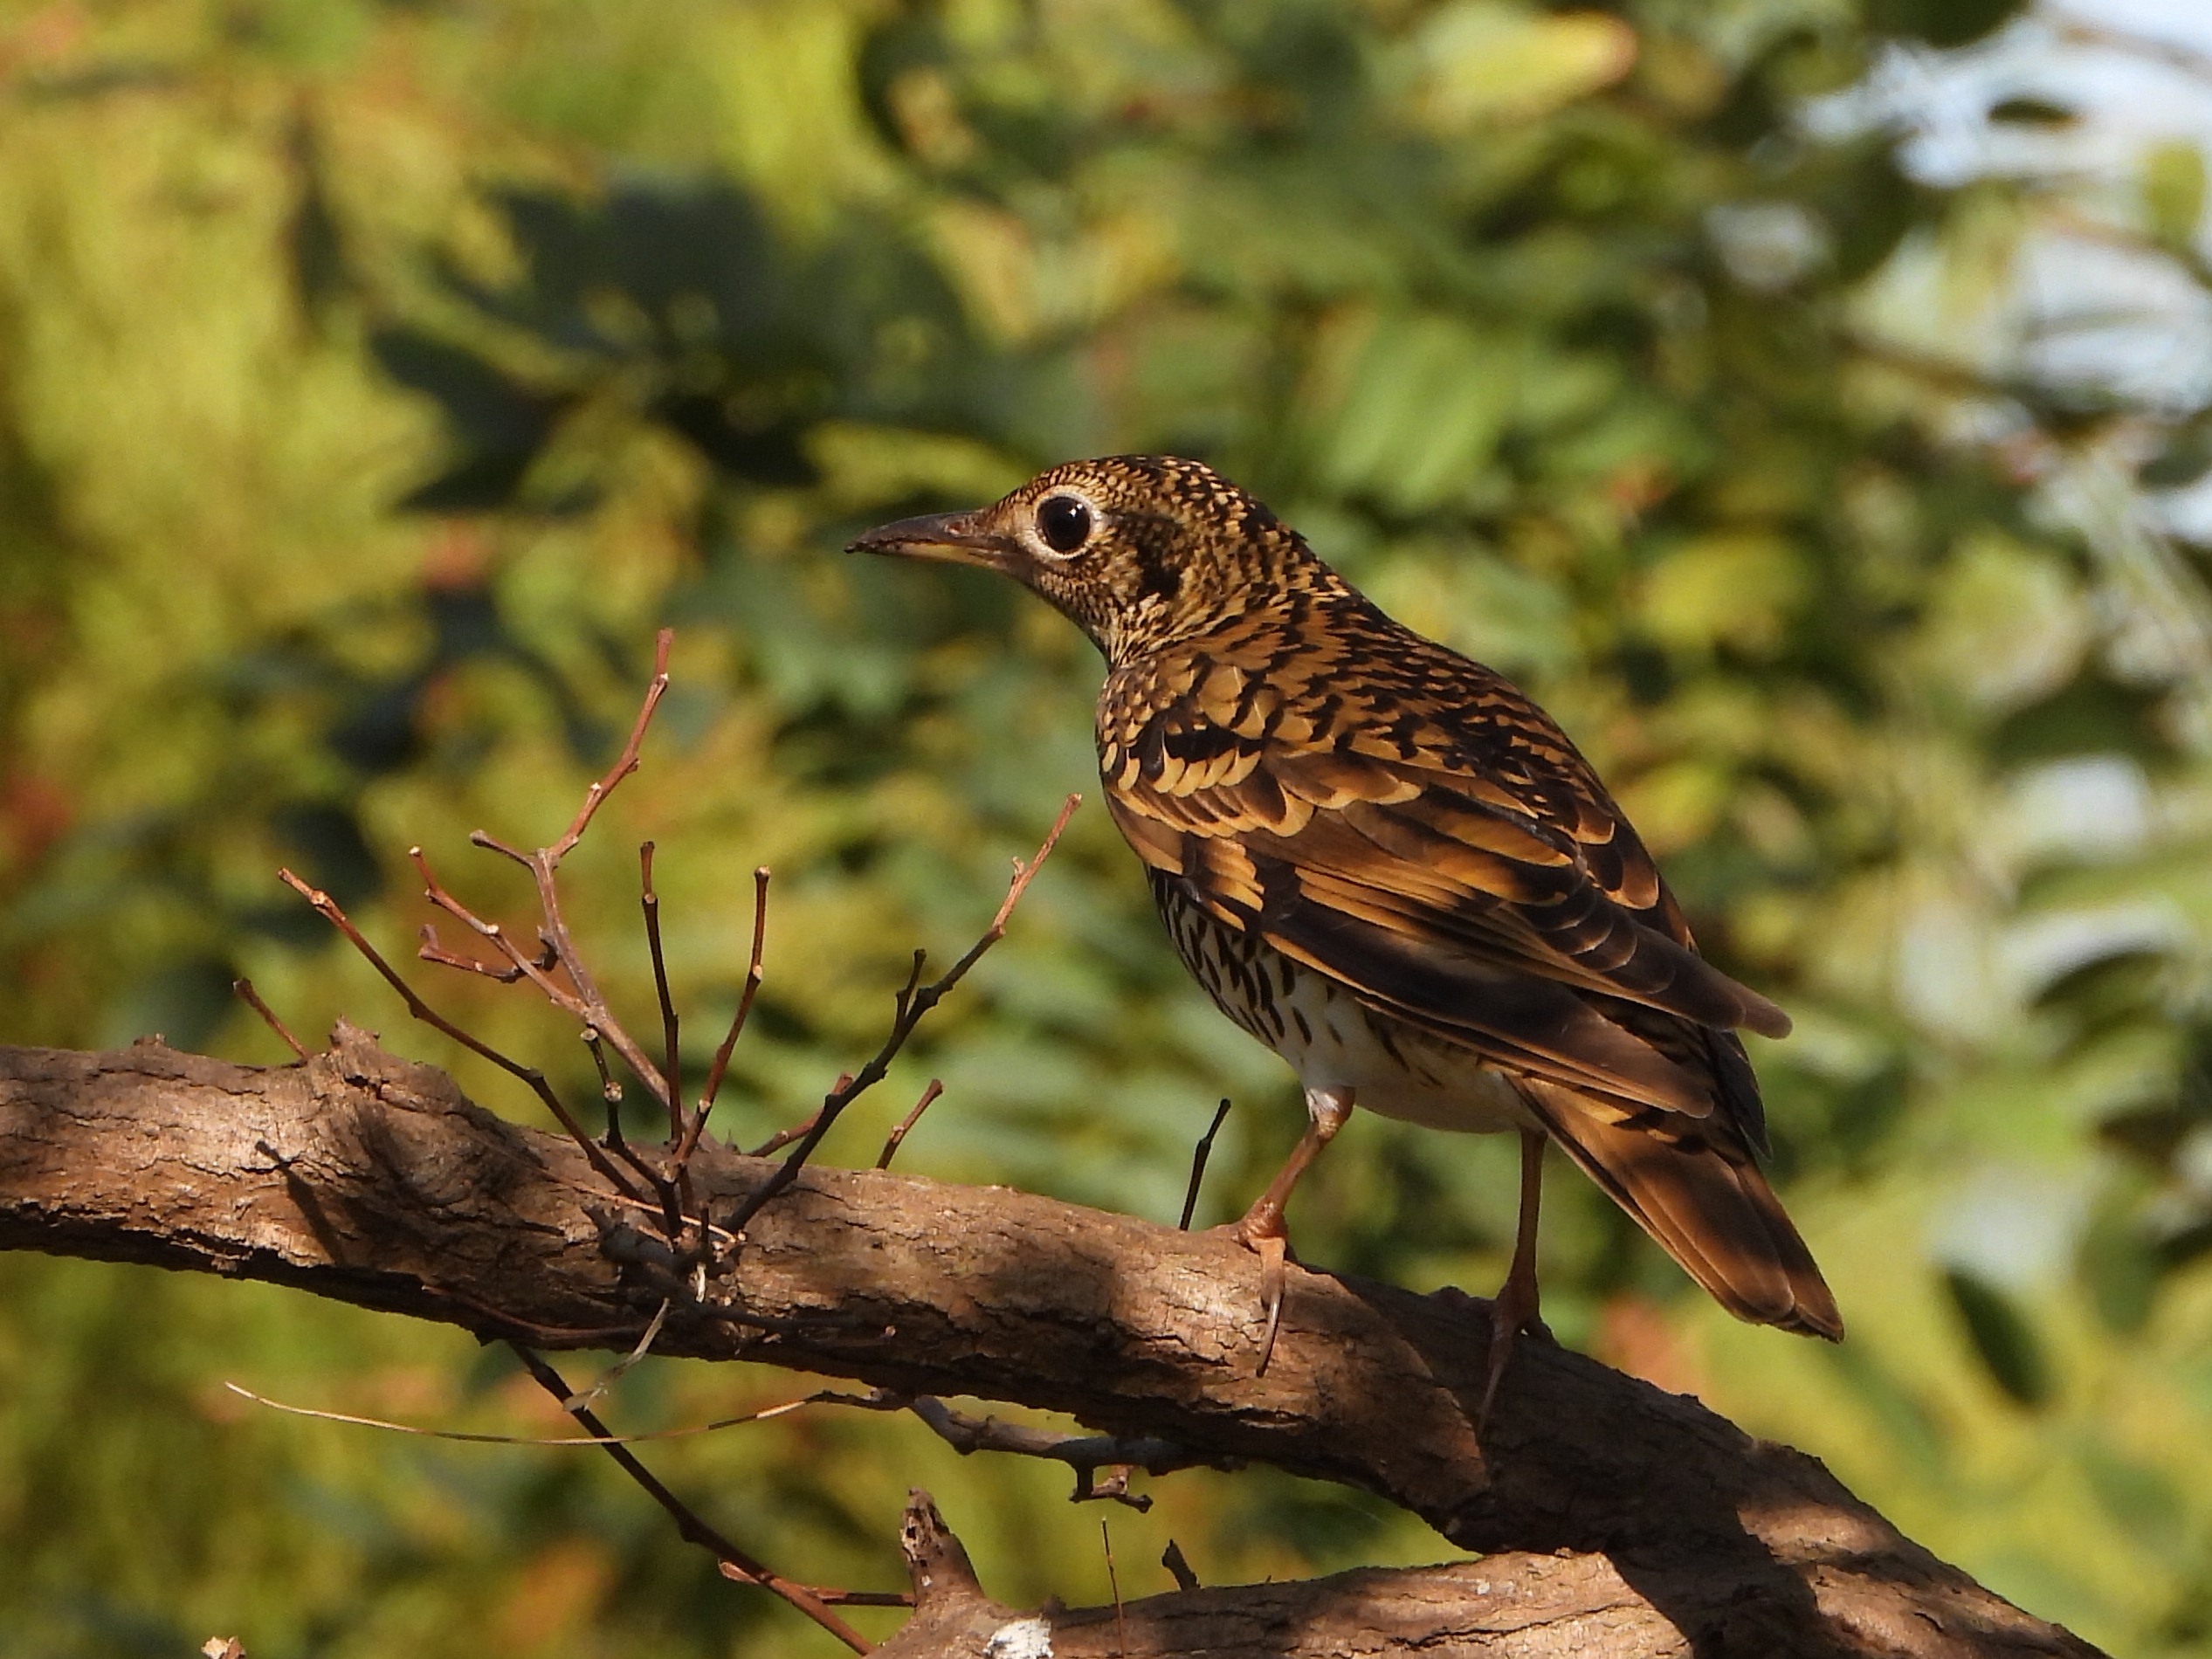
{"points": [[1138, 551]]}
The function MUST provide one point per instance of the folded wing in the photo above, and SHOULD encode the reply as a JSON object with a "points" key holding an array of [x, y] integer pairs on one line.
{"points": [[1461, 868]]}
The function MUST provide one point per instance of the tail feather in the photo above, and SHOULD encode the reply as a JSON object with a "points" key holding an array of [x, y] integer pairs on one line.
{"points": [[1711, 1211]]}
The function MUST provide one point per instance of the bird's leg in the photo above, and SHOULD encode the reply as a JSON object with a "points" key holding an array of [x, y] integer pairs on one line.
{"points": [[1262, 1229], [1515, 1310]]}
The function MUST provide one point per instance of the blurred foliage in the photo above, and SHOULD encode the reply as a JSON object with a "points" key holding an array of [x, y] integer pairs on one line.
{"points": [[373, 379]]}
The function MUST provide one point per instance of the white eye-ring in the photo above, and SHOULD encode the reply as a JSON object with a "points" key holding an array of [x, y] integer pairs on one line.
{"points": [[1063, 523]]}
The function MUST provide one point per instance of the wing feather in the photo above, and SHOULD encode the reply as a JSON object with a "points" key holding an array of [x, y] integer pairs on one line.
{"points": [[1459, 866]]}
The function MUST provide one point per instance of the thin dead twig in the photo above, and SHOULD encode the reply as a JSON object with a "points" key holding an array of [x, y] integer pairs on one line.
{"points": [[721, 1068], [672, 1068], [614, 1373], [432, 950], [1114, 1583], [616, 1143], [765, 1414], [252, 998], [913, 1002], [515, 1328], [1086, 1454], [1199, 1154], [626, 762], [897, 1136], [558, 951], [693, 1529], [783, 1138], [328, 908], [1102, 1463], [1178, 1569], [556, 954], [826, 1596]]}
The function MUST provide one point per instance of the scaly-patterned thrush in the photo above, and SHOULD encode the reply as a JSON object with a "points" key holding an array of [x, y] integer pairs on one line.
{"points": [[1388, 865]]}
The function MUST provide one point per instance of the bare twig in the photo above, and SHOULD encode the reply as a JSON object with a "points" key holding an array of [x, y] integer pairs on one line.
{"points": [[614, 1373], [694, 1529], [1102, 1463], [252, 998], [721, 1068], [1086, 1455], [556, 953], [893, 1141], [649, 901], [783, 1138], [611, 1094], [1178, 1569], [766, 1413], [513, 1328], [1199, 1154], [431, 950], [1110, 1483], [580, 997], [626, 762], [913, 1004], [328, 909], [827, 1596], [905, 999], [1114, 1583], [558, 970], [610, 1091]]}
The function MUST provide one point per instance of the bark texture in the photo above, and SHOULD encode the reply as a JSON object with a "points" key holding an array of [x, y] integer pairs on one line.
{"points": [[1614, 1519]]}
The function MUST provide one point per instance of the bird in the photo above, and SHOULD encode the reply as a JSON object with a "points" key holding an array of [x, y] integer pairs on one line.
{"points": [[1385, 862]]}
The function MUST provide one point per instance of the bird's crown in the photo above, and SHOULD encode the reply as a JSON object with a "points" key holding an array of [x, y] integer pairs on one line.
{"points": [[1139, 551]]}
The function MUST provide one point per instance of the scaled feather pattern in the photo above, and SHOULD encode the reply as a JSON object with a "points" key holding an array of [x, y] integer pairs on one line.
{"points": [[1334, 809]]}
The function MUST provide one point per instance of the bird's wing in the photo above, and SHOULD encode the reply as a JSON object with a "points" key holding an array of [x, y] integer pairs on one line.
{"points": [[1458, 865]]}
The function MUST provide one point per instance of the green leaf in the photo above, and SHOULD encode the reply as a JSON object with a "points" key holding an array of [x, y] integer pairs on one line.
{"points": [[2032, 112], [1483, 62], [2172, 187], [2001, 1336], [1427, 399], [1941, 23], [2187, 458], [1734, 587], [2121, 1270]]}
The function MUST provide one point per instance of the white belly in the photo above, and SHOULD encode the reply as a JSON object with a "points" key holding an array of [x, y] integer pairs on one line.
{"points": [[1332, 1043]]}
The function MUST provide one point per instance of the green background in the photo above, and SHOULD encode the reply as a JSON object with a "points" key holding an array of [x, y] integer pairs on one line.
{"points": [[375, 378]]}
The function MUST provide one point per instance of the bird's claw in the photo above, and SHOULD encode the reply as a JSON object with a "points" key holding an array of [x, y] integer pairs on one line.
{"points": [[1271, 1251], [1513, 1316], [1273, 1245]]}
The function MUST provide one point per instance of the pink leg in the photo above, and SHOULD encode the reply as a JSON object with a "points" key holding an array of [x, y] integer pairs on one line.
{"points": [[1515, 1311], [1262, 1229]]}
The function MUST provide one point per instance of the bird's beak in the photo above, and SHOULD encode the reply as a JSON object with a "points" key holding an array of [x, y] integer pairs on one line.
{"points": [[950, 538]]}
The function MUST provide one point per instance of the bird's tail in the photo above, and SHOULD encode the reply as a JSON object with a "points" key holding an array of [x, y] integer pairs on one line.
{"points": [[1711, 1211]]}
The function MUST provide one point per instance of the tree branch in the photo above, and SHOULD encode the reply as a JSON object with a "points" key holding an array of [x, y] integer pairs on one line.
{"points": [[1648, 1524]]}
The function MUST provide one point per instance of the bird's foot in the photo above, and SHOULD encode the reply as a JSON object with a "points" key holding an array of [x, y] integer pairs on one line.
{"points": [[1266, 1238], [1513, 1314]]}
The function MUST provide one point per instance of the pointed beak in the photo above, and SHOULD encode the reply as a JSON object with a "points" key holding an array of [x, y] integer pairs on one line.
{"points": [[950, 538]]}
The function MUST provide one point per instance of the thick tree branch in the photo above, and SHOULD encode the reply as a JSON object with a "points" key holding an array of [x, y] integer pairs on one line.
{"points": [[1645, 1523]]}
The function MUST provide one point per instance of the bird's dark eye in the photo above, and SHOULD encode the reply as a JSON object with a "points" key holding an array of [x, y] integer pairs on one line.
{"points": [[1064, 522]]}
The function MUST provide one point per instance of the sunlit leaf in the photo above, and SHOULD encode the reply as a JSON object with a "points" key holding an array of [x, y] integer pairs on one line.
{"points": [[2001, 1336], [2172, 191], [1484, 60]]}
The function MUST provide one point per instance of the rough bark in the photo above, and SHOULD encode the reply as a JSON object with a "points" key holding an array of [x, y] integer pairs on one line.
{"points": [[1615, 1518], [1510, 1606]]}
